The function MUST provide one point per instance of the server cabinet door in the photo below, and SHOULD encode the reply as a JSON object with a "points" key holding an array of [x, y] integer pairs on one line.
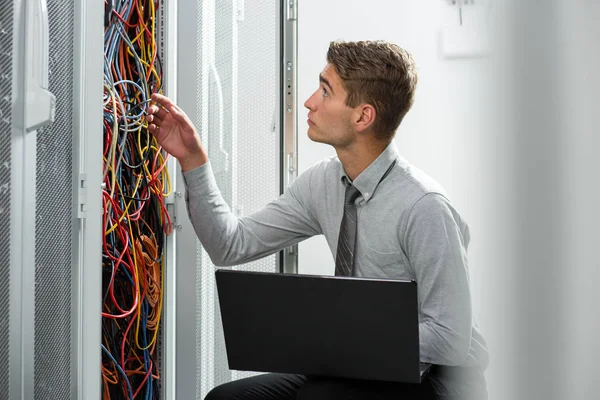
{"points": [[37, 200], [7, 14], [230, 84]]}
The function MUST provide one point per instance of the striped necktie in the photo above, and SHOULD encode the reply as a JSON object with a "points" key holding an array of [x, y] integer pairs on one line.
{"points": [[344, 260]]}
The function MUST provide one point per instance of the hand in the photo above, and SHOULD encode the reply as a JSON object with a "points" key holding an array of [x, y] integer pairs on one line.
{"points": [[175, 133]]}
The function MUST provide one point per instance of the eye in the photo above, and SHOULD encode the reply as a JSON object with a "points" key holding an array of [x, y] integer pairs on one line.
{"points": [[325, 92]]}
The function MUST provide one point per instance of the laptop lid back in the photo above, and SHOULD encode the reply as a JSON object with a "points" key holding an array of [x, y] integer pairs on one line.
{"points": [[320, 325]]}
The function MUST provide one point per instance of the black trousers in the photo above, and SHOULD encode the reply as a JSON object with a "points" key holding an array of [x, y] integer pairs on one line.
{"points": [[442, 383]]}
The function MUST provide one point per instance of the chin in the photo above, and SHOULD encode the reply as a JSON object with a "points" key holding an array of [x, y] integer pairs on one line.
{"points": [[316, 137], [312, 136]]}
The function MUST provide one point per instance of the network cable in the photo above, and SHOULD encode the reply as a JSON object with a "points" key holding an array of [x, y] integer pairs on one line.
{"points": [[135, 220]]}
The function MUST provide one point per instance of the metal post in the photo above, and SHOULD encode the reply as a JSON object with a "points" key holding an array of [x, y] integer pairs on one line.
{"points": [[87, 276], [289, 78]]}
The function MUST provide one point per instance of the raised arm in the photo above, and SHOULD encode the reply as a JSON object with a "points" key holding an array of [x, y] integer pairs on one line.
{"points": [[228, 239], [176, 133]]}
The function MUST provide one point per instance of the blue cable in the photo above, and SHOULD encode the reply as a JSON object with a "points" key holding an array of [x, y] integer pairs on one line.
{"points": [[144, 344], [120, 370]]}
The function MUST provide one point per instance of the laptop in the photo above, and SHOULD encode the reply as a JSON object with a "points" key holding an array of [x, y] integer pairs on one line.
{"points": [[321, 325]]}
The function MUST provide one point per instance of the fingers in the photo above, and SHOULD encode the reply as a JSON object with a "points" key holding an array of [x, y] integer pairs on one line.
{"points": [[154, 129], [156, 112], [163, 101], [171, 107]]}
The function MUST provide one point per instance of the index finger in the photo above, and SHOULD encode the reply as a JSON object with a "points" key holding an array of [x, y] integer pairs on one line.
{"points": [[171, 107], [164, 101]]}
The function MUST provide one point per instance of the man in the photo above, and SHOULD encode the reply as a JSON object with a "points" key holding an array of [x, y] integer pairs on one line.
{"points": [[407, 228]]}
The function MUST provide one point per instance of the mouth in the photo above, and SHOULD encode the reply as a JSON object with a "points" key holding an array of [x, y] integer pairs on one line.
{"points": [[310, 122]]}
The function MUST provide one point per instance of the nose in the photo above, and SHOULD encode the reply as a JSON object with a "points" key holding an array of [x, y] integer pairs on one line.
{"points": [[306, 104], [309, 103]]}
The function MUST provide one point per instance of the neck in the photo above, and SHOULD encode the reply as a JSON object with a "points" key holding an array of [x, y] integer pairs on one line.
{"points": [[357, 157]]}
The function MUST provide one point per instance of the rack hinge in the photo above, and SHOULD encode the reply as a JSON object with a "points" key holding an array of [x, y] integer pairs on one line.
{"points": [[82, 196]]}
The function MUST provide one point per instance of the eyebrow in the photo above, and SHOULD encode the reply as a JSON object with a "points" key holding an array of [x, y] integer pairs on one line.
{"points": [[325, 81]]}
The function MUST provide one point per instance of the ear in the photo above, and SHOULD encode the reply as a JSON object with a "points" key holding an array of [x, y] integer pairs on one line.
{"points": [[365, 117]]}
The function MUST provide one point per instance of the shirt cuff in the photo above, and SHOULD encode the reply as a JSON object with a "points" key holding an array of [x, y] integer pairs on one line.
{"points": [[201, 179]]}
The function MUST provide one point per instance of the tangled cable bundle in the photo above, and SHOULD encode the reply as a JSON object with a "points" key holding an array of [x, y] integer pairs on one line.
{"points": [[135, 217]]}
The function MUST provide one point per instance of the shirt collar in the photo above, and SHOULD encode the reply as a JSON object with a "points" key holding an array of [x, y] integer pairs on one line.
{"points": [[369, 179]]}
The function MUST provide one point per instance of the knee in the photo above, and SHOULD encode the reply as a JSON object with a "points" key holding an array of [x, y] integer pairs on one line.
{"points": [[320, 390], [219, 393]]}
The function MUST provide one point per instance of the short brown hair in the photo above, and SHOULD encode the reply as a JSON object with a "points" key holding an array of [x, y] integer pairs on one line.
{"points": [[378, 73]]}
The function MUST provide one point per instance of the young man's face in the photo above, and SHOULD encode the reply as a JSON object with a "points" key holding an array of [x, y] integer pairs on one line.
{"points": [[329, 118]]}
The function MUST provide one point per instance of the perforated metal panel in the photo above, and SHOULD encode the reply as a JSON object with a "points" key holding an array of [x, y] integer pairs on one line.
{"points": [[259, 170], [257, 153], [54, 217], [6, 43], [237, 100]]}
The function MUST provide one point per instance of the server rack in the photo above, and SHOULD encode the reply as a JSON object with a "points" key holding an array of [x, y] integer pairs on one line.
{"points": [[51, 102]]}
